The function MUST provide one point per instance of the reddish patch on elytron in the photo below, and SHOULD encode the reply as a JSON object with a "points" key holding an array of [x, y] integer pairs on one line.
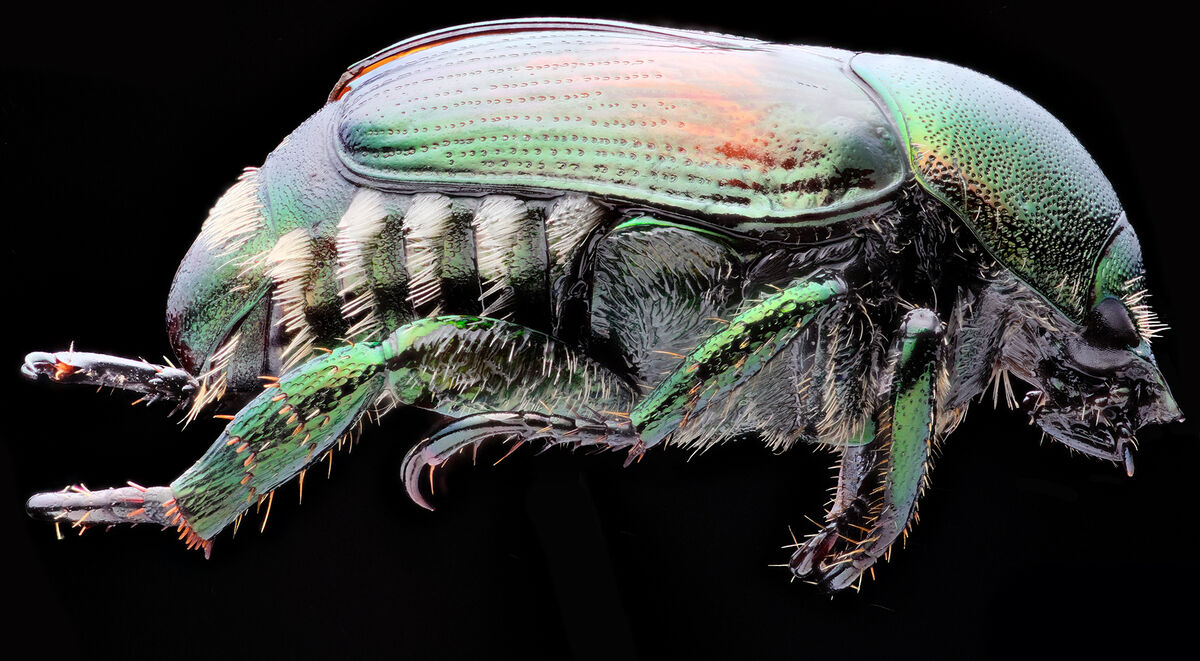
{"points": [[730, 150], [807, 156], [738, 183]]}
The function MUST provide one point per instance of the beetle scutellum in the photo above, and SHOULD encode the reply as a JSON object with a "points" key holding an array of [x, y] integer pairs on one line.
{"points": [[601, 234]]}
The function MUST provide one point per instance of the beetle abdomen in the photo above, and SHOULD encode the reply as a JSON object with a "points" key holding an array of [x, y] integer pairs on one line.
{"points": [[406, 256], [711, 125]]}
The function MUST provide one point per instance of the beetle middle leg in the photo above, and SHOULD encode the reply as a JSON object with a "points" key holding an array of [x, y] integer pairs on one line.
{"points": [[879, 482], [710, 379]]}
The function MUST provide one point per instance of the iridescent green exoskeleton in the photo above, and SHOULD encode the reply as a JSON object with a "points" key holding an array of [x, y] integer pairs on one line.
{"points": [[614, 236]]}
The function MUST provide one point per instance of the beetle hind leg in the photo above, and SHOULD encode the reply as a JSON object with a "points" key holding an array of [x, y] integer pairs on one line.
{"points": [[133, 504], [292, 422], [153, 382], [601, 430], [459, 366]]}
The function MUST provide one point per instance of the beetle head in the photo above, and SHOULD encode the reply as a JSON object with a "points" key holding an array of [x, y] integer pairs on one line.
{"points": [[1097, 380], [1041, 207]]}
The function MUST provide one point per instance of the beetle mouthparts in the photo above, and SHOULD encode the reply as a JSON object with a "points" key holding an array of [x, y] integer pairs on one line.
{"points": [[1124, 445]]}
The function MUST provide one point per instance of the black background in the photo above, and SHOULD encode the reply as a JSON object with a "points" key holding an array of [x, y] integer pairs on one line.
{"points": [[121, 128]]}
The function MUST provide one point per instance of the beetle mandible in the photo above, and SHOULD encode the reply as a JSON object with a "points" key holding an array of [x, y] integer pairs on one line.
{"points": [[598, 234]]}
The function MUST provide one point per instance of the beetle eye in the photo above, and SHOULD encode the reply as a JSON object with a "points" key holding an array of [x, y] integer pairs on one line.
{"points": [[1109, 325]]}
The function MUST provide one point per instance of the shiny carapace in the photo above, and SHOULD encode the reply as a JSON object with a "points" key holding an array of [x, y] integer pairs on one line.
{"points": [[604, 235]]}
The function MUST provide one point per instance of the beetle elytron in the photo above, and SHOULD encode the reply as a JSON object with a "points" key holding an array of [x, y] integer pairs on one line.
{"points": [[598, 234]]}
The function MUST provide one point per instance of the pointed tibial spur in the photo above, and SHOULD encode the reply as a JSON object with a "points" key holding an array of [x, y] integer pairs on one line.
{"points": [[457, 366], [879, 482], [708, 379]]}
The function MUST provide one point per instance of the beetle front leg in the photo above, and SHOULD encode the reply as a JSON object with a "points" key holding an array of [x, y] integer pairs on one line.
{"points": [[849, 507], [879, 482]]}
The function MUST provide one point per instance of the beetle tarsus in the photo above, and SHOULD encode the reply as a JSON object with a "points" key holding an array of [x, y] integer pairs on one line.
{"points": [[157, 382], [133, 504], [82, 506]]}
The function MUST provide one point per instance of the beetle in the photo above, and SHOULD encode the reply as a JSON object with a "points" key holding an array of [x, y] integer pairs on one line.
{"points": [[597, 234]]}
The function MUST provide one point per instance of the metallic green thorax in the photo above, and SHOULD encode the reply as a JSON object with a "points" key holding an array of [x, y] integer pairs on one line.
{"points": [[1119, 271], [1013, 172]]}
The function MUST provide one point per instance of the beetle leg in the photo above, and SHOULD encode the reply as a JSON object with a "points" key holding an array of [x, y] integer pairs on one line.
{"points": [[291, 423], [605, 430], [133, 504], [453, 365], [156, 382], [461, 365], [894, 467], [501, 380], [726, 360], [848, 509]]}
